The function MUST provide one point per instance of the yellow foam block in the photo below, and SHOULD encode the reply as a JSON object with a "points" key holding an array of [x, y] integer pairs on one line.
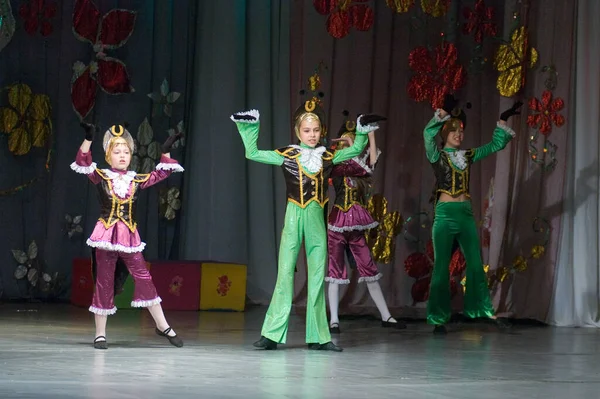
{"points": [[223, 286]]}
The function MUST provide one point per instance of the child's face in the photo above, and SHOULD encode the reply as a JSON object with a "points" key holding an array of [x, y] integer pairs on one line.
{"points": [[120, 157], [310, 132], [455, 138]]}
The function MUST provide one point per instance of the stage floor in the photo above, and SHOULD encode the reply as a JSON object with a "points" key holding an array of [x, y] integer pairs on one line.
{"points": [[46, 352]]}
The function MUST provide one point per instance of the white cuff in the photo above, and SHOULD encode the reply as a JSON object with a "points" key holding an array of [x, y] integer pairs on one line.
{"points": [[84, 170], [252, 112], [438, 118], [146, 304], [175, 167], [363, 129], [506, 129]]}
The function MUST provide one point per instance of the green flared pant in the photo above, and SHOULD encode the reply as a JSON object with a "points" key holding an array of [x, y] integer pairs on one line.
{"points": [[454, 220], [307, 223]]}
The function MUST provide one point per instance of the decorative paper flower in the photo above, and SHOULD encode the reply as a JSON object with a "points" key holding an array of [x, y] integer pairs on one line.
{"points": [[37, 14], [457, 263], [224, 285], [165, 98], [382, 240], [147, 152], [169, 202], [26, 119], [538, 251], [436, 74], [344, 14], [417, 265], [520, 264], [546, 112], [108, 32], [175, 286], [480, 20], [179, 129], [7, 23], [26, 266], [486, 269], [436, 8], [73, 226], [511, 60], [400, 6], [502, 273], [420, 290]]}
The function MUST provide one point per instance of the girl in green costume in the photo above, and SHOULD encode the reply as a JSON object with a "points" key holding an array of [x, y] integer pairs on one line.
{"points": [[453, 213], [306, 168]]}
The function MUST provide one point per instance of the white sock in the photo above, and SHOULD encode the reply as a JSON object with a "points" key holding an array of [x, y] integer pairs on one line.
{"points": [[377, 295], [334, 301]]}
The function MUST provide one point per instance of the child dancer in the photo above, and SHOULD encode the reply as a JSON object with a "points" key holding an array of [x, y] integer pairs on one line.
{"points": [[306, 168], [115, 240], [348, 221], [453, 213]]}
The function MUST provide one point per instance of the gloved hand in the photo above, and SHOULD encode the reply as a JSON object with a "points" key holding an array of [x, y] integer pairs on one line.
{"points": [[367, 119], [449, 103], [514, 110], [90, 130], [168, 145]]}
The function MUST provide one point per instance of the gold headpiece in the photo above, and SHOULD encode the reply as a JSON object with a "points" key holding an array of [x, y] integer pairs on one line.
{"points": [[113, 134], [312, 107]]}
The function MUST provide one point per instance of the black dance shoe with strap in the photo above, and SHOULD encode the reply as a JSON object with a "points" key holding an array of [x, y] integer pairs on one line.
{"points": [[100, 342], [174, 340]]}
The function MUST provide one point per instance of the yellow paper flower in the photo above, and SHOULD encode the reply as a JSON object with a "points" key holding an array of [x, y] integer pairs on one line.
{"points": [[382, 239], [436, 8], [538, 251], [501, 274], [520, 264], [26, 120], [511, 60], [314, 82], [400, 6]]}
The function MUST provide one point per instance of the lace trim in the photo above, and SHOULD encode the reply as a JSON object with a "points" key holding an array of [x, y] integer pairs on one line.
{"points": [[146, 304], [252, 112], [120, 183], [370, 279], [352, 228], [84, 170], [360, 128], [103, 312], [107, 246], [506, 129], [311, 159], [175, 167], [459, 158], [332, 280], [438, 118]]}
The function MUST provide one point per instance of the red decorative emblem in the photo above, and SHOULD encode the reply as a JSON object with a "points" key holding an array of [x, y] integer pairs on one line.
{"points": [[175, 286], [546, 112], [436, 74], [108, 32], [82, 282], [480, 21], [224, 285], [37, 14]]}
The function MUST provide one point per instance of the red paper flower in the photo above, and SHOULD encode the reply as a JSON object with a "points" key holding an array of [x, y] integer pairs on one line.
{"points": [[457, 263], [344, 14], [436, 74], [108, 32], [37, 14], [417, 265], [546, 112], [420, 290], [175, 286], [480, 21]]}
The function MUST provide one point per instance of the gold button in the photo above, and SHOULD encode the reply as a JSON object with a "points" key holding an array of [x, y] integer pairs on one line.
{"points": [[312, 193], [312, 182]]}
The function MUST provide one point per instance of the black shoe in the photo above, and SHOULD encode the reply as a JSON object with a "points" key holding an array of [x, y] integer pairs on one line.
{"points": [[440, 329], [399, 325], [102, 344], [329, 346], [334, 328], [174, 340], [265, 343]]}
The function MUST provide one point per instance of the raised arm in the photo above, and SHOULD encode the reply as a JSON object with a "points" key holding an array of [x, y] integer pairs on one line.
{"points": [[83, 161], [503, 134], [431, 131], [364, 125], [166, 166], [248, 125]]}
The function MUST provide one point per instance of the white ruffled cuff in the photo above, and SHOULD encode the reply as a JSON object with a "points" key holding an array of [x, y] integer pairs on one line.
{"points": [[506, 129], [370, 279], [107, 246], [175, 167], [364, 129], [252, 112], [103, 312], [341, 281], [352, 228], [438, 117], [84, 170], [146, 304]]}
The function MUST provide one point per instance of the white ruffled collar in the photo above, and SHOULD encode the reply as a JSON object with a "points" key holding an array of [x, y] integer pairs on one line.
{"points": [[311, 159], [120, 181], [458, 158]]}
